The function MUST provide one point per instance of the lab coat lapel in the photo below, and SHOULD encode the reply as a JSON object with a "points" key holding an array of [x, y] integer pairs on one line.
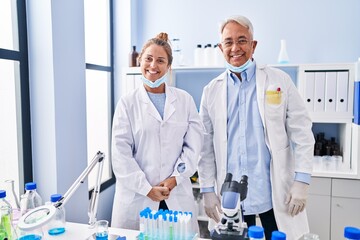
{"points": [[150, 108], [170, 99], [260, 91]]}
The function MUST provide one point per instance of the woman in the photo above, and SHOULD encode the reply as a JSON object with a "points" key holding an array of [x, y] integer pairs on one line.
{"points": [[156, 141]]}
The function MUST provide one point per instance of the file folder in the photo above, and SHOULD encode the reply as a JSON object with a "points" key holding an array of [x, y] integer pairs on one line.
{"points": [[309, 90], [330, 92], [342, 91], [319, 94]]}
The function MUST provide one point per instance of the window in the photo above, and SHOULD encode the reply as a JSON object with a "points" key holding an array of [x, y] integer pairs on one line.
{"points": [[99, 83], [15, 144]]}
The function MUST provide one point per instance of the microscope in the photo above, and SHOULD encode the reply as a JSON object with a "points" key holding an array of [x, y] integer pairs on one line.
{"points": [[232, 226]]}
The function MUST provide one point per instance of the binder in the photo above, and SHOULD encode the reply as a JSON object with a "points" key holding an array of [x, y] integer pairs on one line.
{"points": [[309, 90], [330, 92], [342, 91], [319, 94]]}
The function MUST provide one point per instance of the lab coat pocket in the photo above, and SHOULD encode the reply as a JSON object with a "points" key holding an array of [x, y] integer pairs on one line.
{"points": [[273, 97]]}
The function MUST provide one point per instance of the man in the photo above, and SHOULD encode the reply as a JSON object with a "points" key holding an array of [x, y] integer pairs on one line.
{"points": [[256, 124]]}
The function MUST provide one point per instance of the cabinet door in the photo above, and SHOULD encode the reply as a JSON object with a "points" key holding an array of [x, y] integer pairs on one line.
{"points": [[318, 211], [344, 212]]}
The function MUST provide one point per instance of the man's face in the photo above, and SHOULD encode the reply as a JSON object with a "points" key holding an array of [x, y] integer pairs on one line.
{"points": [[237, 45]]}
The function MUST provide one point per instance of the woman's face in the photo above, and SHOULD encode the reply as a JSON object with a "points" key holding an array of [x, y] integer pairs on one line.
{"points": [[154, 62]]}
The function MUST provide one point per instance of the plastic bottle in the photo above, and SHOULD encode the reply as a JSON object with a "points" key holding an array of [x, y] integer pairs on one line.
{"points": [[177, 54], [31, 199], [57, 225], [283, 56], [208, 56], [352, 233], [133, 57], [198, 56], [218, 56], [256, 233], [277, 235], [6, 217]]}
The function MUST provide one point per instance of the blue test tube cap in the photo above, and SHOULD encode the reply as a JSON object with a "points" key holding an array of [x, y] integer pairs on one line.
{"points": [[352, 233], [256, 232], [55, 197], [2, 193], [30, 186], [277, 235]]}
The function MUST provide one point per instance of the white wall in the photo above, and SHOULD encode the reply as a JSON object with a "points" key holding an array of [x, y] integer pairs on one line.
{"points": [[320, 31]]}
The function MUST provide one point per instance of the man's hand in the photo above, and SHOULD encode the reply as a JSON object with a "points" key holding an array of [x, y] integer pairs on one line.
{"points": [[296, 198], [212, 206], [158, 193]]}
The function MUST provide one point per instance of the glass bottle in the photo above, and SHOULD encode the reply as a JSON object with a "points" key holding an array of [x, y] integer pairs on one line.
{"points": [[6, 217], [30, 199], [133, 57], [57, 224], [13, 199], [283, 56], [256, 233]]}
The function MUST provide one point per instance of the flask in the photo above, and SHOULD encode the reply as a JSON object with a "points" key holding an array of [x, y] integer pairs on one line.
{"points": [[256, 233], [31, 199], [133, 57], [277, 235], [283, 56], [57, 224], [13, 199], [6, 218], [351, 233], [198, 56]]}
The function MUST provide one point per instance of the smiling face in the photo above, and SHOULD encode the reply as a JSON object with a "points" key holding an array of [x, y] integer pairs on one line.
{"points": [[154, 62], [237, 44]]}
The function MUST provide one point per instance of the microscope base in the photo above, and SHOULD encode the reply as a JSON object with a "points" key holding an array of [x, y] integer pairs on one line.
{"points": [[230, 235]]}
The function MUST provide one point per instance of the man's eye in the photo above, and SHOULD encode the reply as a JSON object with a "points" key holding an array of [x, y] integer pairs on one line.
{"points": [[227, 44], [243, 41]]}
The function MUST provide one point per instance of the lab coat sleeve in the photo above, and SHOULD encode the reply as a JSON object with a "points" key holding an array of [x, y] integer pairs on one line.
{"points": [[125, 167], [299, 124], [206, 164], [193, 141]]}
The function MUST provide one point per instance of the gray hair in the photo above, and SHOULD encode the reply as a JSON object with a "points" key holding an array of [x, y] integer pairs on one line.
{"points": [[243, 21]]}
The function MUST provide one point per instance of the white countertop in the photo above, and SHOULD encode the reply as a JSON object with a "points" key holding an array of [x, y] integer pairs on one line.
{"points": [[78, 231]]}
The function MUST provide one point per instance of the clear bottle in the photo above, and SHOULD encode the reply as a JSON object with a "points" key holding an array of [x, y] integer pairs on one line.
{"points": [[283, 56], [133, 57], [13, 199], [6, 217], [57, 224], [277, 235], [256, 233], [352, 233], [30, 199]]}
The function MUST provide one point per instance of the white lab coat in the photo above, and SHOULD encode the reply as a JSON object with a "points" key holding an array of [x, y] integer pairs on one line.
{"points": [[147, 149], [283, 123]]}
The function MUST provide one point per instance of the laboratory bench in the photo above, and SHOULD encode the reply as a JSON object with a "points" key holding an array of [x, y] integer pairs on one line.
{"points": [[79, 231]]}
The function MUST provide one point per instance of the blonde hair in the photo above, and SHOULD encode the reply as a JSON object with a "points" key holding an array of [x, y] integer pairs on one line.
{"points": [[162, 40]]}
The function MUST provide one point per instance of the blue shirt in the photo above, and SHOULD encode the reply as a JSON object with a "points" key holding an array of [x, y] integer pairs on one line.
{"points": [[247, 150]]}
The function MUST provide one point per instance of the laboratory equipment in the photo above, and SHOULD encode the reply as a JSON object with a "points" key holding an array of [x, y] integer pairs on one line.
{"points": [[256, 233], [166, 224], [13, 199], [352, 233], [277, 235], [133, 58], [31, 199], [198, 56], [102, 231], [5, 217], [57, 224], [283, 56], [35, 219], [232, 225], [311, 236]]}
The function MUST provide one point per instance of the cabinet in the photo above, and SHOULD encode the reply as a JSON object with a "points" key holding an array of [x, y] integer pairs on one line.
{"points": [[333, 204]]}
